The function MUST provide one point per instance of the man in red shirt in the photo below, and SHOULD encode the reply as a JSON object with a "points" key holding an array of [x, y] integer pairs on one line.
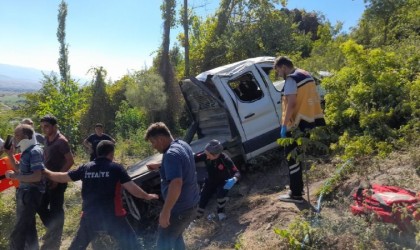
{"points": [[57, 158]]}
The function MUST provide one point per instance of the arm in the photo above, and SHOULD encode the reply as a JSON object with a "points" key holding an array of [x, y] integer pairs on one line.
{"points": [[108, 137], [87, 144], [200, 156], [61, 177], [291, 104], [34, 177], [111, 139], [138, 192], [12, 159], [174, 190], [69, 162], [236, 172], [153, 166]]}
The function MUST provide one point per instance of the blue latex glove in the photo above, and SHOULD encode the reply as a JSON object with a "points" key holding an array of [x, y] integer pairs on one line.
{"points": [[229, 183], [283, 131]]}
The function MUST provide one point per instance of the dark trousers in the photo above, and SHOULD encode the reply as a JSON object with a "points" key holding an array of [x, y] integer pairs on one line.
{"points": [[51, 213], [116, 227], [24, 232], [295, 172], [171, 237], [295, 168], [207, 192]]}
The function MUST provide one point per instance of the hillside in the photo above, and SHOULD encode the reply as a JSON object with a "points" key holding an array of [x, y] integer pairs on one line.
{"points": [[254, 212], [11, 99], [19, 78]]}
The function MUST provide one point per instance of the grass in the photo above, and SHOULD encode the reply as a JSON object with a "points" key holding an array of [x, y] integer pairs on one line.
{"points": [[335, 228], [7, 218], [10, 99]]}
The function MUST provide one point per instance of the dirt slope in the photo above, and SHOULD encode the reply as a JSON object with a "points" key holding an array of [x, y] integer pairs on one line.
{"points": [[254, 210]]}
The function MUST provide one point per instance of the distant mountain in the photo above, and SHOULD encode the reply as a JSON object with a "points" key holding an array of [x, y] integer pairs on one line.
{"points": [[19, 78]]}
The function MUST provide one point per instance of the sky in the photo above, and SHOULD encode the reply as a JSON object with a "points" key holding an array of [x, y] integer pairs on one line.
{"points": [[121, 35]]}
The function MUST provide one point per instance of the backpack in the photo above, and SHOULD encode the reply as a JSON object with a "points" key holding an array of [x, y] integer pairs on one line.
{"points": [[389, 204]]}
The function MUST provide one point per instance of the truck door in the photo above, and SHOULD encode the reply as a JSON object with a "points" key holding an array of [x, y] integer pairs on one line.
{"points": [[256, 111], [273, 85]]}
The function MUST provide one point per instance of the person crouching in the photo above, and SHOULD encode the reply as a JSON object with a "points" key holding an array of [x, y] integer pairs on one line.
{"points": [[222, 175]]}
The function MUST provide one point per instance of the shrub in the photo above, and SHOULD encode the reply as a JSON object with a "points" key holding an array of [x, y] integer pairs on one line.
{"points": [[7, 218]]}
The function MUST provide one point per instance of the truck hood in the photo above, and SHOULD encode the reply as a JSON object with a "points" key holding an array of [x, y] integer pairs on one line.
{"points": [[139, 170]]}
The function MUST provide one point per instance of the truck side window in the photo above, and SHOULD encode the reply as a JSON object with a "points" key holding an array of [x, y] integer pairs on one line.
{"points": [[246, 88], [277, 81]]}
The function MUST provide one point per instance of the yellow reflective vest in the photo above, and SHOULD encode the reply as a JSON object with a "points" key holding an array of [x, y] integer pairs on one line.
{"points": [[308, 112]]}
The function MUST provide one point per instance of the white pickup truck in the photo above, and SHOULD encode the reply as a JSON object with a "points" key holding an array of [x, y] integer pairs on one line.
{"points": [[238, 104]]}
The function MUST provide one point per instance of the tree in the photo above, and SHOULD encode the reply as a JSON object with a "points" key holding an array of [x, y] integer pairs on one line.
{"points": [[99, 110], [129, 119], [116, 92], [61, 98], [64, 101], [242, 29], [387, 21], [308, 22], [382, 10], [61, 35], [165, 68], [145, 92], [326, 54], [185, 23], [212, 52]]}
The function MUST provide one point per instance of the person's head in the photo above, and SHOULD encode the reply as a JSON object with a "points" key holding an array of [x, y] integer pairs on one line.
{"points": [[23, 131], [49, 125], [106, 149], [99, 129], [213, 149], [159, 136], [283, 66], [27, 121], [24, 137]]}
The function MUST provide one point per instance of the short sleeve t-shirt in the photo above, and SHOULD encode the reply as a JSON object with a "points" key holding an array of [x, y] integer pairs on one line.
{"points": [[32, 159], [178, 162], [40, 138], [101, 187], [54, 152], [94, 139], [290, 87]]}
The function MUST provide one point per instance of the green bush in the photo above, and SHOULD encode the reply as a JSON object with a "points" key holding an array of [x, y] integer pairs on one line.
{"points": [[7, 218], [371, 101]]}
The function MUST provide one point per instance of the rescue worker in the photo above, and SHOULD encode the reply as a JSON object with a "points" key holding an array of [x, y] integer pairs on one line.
{"points": [[301, 108], [102, 180], [222, 175]]}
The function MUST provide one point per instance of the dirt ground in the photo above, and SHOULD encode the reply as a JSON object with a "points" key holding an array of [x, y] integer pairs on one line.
{"points": [[254, 211]]}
